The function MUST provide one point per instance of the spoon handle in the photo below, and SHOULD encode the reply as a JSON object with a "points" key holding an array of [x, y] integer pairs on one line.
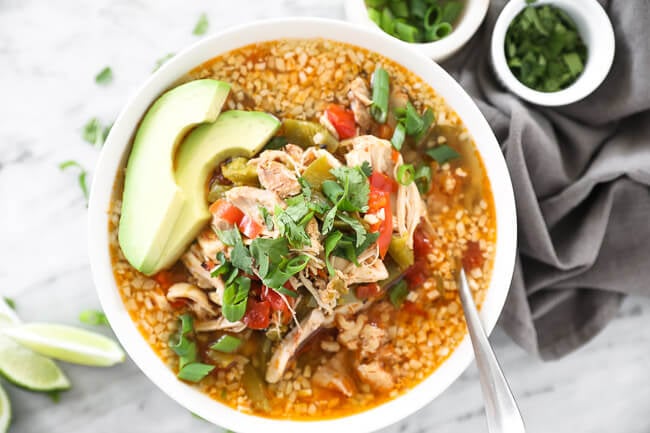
{"points": [[501, 408]]}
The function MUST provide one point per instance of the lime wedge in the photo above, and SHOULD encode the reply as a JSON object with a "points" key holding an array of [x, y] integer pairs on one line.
{"points": [[5, 411], [67, 343], [29, 370]]}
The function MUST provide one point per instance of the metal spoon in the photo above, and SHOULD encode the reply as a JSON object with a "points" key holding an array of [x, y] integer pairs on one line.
{"points": [[501, 408]]}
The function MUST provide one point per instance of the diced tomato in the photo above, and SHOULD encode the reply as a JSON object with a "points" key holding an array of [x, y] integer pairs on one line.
{"points": [[226, 211], [394, 156], [368, 291], [258, 314], [381, 182], [421, 242], [385, 232], [473, 257], [277, 303], [165, 279], [414, 308], [249, 227], [342, 120], [384, 131], [418, 273]]}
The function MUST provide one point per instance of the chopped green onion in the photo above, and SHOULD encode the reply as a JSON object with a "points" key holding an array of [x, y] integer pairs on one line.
{"points": [[380, 94], [427, 120], [376, 4], [432, 17], [286, 292], [297, 264], [418, 8], [439, 31], [423, 178], [405, 174], [93, 317], [104, 76], [195, 371], [375, 16], [398, 293], [407, 32], [398, 136], [574, 63], [201, 25], [412, 120], [330, 243], [94, 132], [399, 8], [226, 344], [387, 21], [451, 11], [442, 153]]}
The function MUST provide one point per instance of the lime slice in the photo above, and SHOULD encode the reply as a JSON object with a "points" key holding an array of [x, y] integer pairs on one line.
{"points": [[5, 411], [29, 370], [67, 343]]}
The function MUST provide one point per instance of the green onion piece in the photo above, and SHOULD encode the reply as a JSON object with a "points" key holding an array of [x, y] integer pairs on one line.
{"points": [[195, 371], [226, 344], [375, 16], [380, 94], [161, 61], [418, 9], [398, 136], [398, 294], [201, 25], [330, 243], [412, 120], [387, 21], [93, 317], [423, 178], [451, 11], [406, 32], [442, 153], [376, 4], [399, 8], [439, 31], [432, 17], [405, 174], [286, 292], [104, 76], [427, 120]]}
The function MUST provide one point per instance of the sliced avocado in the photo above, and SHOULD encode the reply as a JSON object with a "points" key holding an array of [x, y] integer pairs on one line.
{"points": [[152, 202], [234, 133]]}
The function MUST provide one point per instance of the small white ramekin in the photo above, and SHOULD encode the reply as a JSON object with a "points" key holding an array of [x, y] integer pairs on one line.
{"points": [[597, 33], [468, 23]]}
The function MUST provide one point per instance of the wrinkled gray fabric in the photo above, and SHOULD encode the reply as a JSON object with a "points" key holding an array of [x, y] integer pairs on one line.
{"points": [[581, 176]]}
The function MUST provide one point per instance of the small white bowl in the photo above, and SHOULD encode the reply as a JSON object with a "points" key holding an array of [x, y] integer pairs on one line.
{"points": [[596, 32], [116, 150], [468, 23]]}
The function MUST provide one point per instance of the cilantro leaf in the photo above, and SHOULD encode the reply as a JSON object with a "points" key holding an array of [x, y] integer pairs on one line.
{"points": [[161, 61], [330, 243], [268, 219], [94, 132], [355, 225], [240, 258], [267, 252], [366, 168], [235, 298], [201, 26], [356, 188], [306, 188], [230, 237], [104, 76], [81, 179]]}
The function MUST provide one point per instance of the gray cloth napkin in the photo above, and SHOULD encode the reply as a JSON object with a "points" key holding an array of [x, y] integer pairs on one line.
{"points": [[581, 176]]}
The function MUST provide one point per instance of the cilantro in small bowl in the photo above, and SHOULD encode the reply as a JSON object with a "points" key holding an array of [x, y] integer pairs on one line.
{"points": [[552, 52]]}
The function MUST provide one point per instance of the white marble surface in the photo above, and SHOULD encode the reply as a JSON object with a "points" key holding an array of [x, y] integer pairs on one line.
{"points": [[49, 54]]}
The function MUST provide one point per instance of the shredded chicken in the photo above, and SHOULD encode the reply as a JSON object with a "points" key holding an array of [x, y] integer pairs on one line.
{"points": [[371, 338], [249, 199], [333, 375], [369, 148], [194, 260], [209, 243], [374, 375], [409, 211], [295, 152], [276, 171], [360, 101], [371, 269], [325, 121], [200, 304], [313, 153], [291, 343], [220, 324], [349, 330]]}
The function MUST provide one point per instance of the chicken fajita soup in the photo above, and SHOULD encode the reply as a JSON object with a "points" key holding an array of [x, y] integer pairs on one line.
{"points": [[289, 227]]}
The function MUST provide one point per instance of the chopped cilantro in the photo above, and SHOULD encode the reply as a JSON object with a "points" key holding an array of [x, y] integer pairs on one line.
{"points": [[235, 298], [330, 243], [161, 61], [10, 302], [104, 76], [82, 175], [268, 219], [93, 317], [95, 133], [195, 372], [201, 26]]}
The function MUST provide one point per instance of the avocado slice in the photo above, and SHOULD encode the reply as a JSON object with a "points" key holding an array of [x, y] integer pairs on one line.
{"points": [[152, 201], [234, 133]]}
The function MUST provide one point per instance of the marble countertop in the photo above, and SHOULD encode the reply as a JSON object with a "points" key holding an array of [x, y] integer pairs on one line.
{"points": [[49, 54]]}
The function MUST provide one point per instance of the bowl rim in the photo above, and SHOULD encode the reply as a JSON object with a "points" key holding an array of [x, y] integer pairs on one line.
{"points": [[115, 152], [599, 61], [470, 21]]}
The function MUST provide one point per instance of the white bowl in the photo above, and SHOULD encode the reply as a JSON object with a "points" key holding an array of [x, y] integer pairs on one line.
{"points": [[596, 32], [468, 23], [116, 150]]}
